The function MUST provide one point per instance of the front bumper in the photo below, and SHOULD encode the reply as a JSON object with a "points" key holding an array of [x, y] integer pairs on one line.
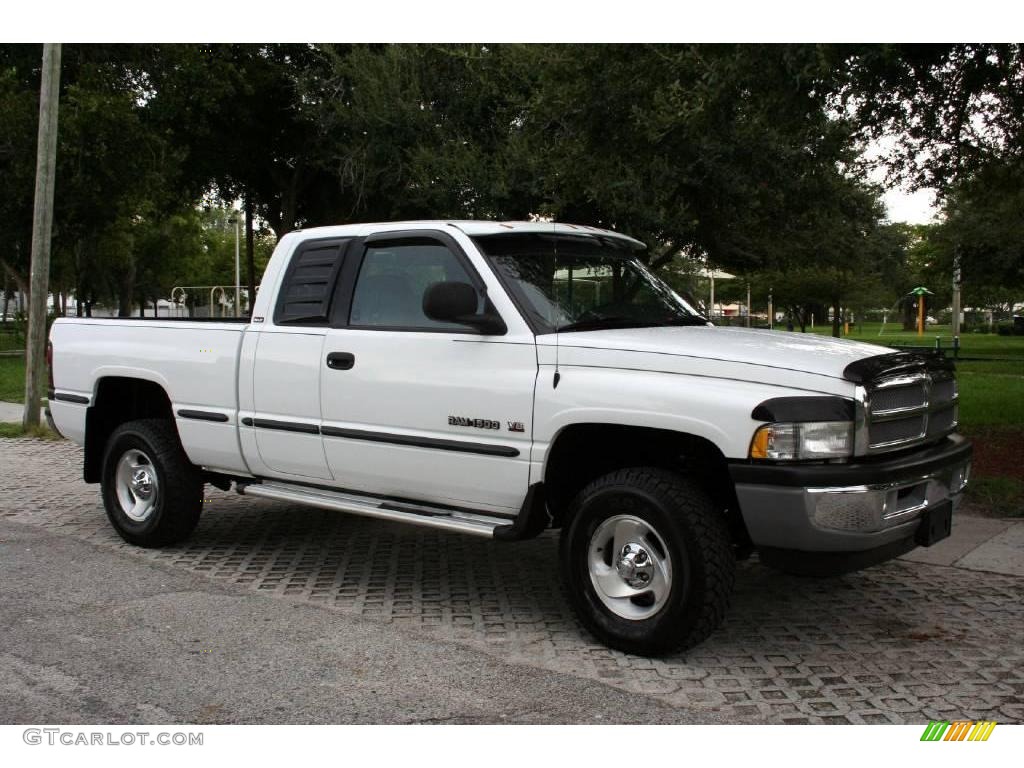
{"points": [[869, 510]]}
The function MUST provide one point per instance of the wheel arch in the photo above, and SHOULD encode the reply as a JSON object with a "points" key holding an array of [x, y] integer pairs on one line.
{"points": [[119, 399], [583, 452]]}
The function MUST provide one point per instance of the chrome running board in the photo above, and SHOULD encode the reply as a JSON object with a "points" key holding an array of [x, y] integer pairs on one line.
{"points": [[417, 514]]}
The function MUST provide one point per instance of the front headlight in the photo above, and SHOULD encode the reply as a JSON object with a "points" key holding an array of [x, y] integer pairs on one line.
{"points": [[803, 440]]}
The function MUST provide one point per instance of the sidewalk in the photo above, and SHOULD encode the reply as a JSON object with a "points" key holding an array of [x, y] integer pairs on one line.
{"points": [[988, 544], [12, 413]]}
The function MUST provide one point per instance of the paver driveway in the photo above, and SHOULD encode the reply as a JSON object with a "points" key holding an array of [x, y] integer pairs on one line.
{"points": [[902, 643]]}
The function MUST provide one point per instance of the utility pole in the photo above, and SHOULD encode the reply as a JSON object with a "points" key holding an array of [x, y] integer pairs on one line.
{"points": [[42, 228], [238, 284], [956, 293], [250, 261], [238, 289], [748, 305]]}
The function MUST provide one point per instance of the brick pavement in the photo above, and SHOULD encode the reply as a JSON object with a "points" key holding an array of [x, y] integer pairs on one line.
{"points": [[900, 643]]}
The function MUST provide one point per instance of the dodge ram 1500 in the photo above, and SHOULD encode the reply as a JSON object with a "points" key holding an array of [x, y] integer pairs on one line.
{"points": [[501, 379]]}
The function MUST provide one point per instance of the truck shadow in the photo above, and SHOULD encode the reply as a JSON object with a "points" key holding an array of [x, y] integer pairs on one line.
{"points": [[899, 642], [491, 591]]}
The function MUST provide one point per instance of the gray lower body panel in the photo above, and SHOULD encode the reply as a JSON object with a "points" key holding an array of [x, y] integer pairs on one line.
{"points": [[846, 518]]}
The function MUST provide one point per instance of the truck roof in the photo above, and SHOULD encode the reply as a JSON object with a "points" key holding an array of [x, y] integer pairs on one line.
{"points": [[471, 228]]}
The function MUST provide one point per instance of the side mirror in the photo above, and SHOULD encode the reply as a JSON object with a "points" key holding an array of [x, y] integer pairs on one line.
{"points": [[456, 302]]}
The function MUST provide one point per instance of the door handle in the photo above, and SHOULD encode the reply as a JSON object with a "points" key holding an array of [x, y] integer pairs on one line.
{"points": [[340, 361]]}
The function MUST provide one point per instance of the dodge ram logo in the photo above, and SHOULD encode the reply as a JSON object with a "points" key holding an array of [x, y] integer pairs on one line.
{"points": [[463, 421]]}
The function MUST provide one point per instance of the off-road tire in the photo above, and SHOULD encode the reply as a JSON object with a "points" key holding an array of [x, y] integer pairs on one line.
{"points": [[697, 541], [179, 499]]}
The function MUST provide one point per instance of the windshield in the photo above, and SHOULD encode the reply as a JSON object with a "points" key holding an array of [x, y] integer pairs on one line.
{"points": [[581, 283]]}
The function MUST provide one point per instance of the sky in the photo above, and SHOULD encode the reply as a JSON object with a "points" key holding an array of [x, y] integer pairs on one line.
{"points": [[911, 207], [902, 203]]}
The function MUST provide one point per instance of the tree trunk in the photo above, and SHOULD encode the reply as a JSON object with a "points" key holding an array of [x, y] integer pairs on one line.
{"points": [[250, 255], [801, 317], [664, 256], [289, 205], [124, 304], [7, 298], [20, 281], [79, 271], [909, 314], [126, 290], [836, 327]]}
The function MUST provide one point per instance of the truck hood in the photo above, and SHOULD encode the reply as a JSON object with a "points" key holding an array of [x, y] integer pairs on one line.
{"points": [[759, 355]]}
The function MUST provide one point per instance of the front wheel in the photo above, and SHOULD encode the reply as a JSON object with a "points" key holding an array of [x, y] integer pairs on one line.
{"points": [[647, 561], [152, 493]]}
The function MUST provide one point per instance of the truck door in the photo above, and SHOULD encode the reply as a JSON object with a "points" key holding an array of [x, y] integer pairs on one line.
{"points": [[419, 409], [283, 424]]}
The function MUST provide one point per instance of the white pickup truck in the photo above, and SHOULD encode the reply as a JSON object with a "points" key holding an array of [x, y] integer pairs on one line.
{"points": [[500, 379]]}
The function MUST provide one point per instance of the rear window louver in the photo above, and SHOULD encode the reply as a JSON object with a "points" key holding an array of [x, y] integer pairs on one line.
{"points": [[309, 283]]}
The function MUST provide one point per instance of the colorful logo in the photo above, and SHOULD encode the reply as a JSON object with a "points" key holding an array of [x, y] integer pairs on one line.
{"points": [[958, 730]]}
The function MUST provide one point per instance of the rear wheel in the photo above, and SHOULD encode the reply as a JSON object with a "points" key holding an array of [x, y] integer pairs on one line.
{"points": [[152, 494], [647, 561]]}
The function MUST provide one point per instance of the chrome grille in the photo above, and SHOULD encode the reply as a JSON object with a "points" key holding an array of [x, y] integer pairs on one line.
{"points": [[885, 433], [909, 396], [943, 390], [909, 408], [942, 421]]}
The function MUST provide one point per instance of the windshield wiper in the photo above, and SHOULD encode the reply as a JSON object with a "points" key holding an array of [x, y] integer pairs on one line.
{"points": [[606, 322], [690, 320]]}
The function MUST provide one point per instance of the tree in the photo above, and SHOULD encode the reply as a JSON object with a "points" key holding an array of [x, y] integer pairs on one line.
{"points": [[984, 222], [953, 108], [113, 164], [244, 117], [19, 114], [958, 113], [734, 154]]}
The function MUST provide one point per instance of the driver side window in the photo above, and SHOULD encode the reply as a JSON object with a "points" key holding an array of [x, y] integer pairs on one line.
{"points": [[391, 282]]}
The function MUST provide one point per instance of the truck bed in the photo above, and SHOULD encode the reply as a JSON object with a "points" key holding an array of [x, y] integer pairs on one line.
{"points": [[194, 361]]}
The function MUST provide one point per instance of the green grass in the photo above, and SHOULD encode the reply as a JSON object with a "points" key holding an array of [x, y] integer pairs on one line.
{"points": [[991, 394], [12, 378], [10, 341], [997, 367], [1003, 495], [971, 344], [16, 430]]}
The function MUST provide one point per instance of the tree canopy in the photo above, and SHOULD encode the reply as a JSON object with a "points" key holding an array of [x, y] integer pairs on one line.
{"points": [[745, 157]]}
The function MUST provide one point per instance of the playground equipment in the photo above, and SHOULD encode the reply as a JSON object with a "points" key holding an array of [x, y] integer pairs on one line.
{"points": [[218, 297], [920, 292]]}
